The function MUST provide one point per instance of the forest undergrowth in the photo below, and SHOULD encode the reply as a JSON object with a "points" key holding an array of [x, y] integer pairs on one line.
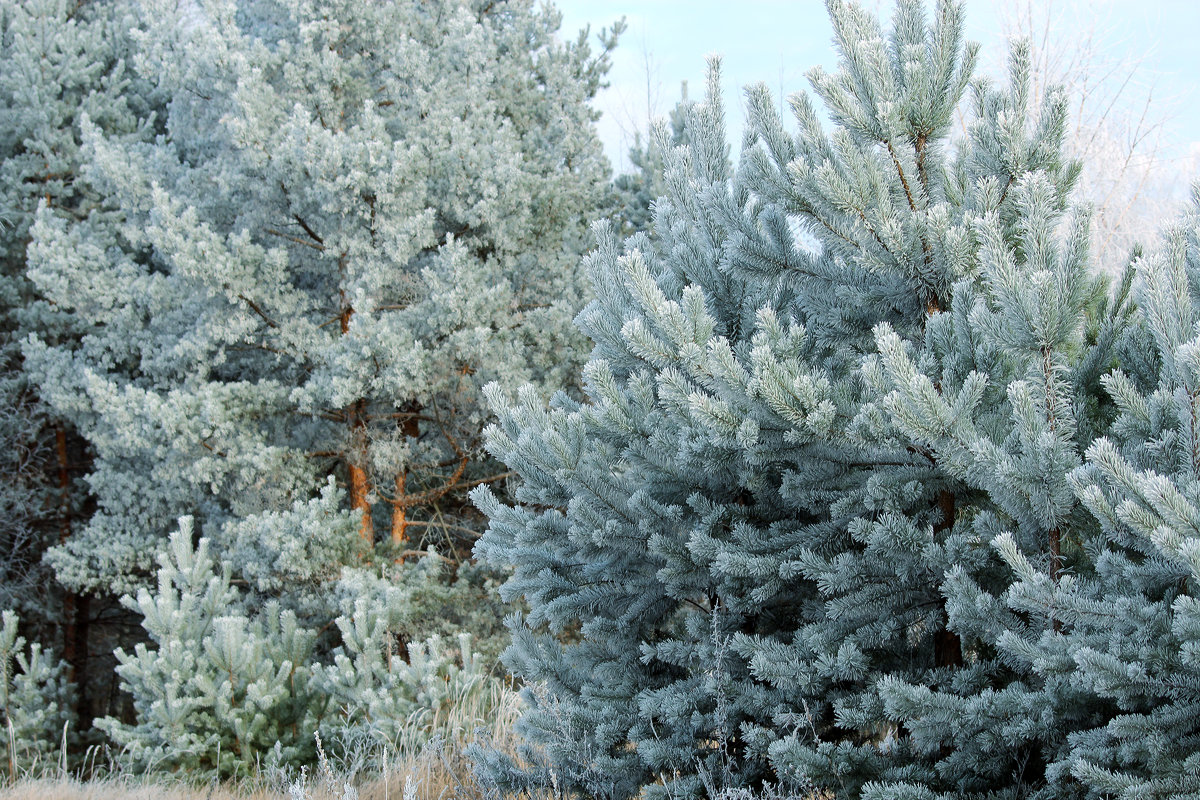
{"points": [[429, 761]]}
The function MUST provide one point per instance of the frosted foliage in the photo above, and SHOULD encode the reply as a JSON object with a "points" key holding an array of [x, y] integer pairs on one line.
{"points": [[1133, 618], [36, 702], [834, 398], [23, 500], [359, 214], [297, 551], [210, 679], [60, 62], [229, 686]]}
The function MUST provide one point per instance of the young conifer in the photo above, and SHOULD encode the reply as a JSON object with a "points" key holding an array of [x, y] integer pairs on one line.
{"points": [[760, 550], [1130, 620], [37, 703], [229, 686]]}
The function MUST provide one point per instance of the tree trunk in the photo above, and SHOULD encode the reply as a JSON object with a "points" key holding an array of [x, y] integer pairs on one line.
{"points": [[356, 457], [1055, 554], [77, 629], [947, 646], [410, 429], [399, 512], [76, 609], [1055, 569], [360, 485]]}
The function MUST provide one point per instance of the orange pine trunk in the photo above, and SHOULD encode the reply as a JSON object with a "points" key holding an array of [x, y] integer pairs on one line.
{"points": [[360, 485], [399, 512], [359, 488], [411, 429]]}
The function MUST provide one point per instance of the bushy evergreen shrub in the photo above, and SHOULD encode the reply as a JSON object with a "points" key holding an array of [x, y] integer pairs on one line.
{"points": [[231, 688], [834, 400]]}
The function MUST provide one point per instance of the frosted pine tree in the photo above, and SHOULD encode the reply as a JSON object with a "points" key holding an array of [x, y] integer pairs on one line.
{"points": [[214, 690], [228, 686], [355, 216], [37, 702], [60, 62], [820, 390], [1130, 620], [359, 214], [1006, 399]]}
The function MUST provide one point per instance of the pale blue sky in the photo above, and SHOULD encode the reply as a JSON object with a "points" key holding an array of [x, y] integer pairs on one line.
{"points": [[776, 42]]}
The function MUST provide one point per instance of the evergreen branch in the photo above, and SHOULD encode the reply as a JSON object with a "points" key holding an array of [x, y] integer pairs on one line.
{"points": [[903, 179], [808, 209], [862, 215], [430, 495], [1004, 192], [1194, 434], [490, 479], [828, 226], [474, 534], [48, 177], [922, 170], [257, 309], [408, 415], [932, 306], [204, 443], [449, 439], [311, 233], [296, 239]]}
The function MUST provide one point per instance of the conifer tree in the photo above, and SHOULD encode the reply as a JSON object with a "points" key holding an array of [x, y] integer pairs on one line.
{"points": [[760, 550], [37, 702], [60, 62], [229, 686], [214, 681], [355, 215], [1130, 621], [358, 214]]}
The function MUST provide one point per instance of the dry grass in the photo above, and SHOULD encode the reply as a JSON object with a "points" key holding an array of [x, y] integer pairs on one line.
{"points": [[117, 789], [441, 772], [429, 763]]}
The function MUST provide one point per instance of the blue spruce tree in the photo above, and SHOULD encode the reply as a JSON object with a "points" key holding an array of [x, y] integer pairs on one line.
{"points": [[830, 396], [1130, 619]]}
